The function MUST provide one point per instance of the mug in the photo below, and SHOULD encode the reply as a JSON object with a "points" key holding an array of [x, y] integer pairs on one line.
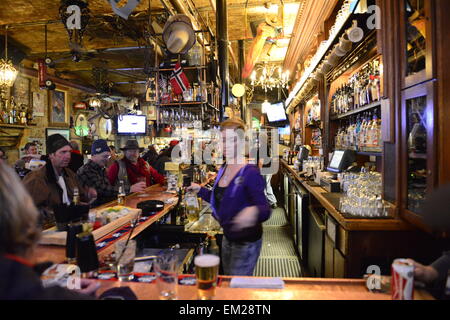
{"points": [[355, 34], [333, 59], [327, 67], [345, 45], [338, 51], [318, 76]]}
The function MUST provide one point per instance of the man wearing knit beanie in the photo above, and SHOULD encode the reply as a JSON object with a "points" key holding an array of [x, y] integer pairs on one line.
{"points": [[54, 184]]}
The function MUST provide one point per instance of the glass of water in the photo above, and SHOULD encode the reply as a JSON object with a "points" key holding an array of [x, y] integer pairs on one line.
{"points": [[166, 269], [125, 259]]}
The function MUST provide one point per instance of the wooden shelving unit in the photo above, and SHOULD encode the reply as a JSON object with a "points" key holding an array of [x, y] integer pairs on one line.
{"points": [[371, 106]]}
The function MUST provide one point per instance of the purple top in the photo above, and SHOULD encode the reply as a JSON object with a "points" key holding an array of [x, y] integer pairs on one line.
{"points": [[245, 190]]}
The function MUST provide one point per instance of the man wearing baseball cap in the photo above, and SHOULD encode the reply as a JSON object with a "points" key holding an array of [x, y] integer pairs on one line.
{"points": [[54, 184], [132, 168], [93, 174]]}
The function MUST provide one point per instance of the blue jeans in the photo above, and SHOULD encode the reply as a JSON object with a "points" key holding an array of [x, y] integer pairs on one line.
{"points": [[240, 258]]}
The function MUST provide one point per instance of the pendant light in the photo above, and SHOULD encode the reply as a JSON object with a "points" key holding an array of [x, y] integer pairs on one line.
{"points": [[8, 73]]}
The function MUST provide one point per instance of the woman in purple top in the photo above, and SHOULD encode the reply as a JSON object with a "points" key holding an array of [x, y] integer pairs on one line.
{"points": [[238, 203]]}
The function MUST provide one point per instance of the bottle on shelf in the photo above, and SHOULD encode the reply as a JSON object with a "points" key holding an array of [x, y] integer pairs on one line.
{"points": [[360, 133], [362, 88]]}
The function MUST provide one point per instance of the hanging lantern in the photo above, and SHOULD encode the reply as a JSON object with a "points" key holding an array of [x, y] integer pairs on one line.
{"points": [[8, 73]]}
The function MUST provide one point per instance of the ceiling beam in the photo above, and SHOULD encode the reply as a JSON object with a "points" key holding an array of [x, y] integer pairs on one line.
{"points": [[133, 17]]}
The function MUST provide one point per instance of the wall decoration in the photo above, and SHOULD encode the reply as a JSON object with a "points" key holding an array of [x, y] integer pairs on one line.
{"points": [[80, 105], [38, 104], [58, 109], [151, 112], [64, 132], [21, 91]]}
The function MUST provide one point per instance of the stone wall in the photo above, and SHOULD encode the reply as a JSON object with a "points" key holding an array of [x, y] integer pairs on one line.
{"points": [[38, 131]]}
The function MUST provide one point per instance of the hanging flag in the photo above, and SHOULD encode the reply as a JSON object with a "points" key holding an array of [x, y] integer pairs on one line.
{"points": [[178, 80]]}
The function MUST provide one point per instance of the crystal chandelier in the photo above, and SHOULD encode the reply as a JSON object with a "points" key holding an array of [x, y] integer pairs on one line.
{"points": [[269, 77], [8, 73]]}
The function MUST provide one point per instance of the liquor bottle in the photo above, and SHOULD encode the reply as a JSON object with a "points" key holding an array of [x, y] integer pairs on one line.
{"points": [[356, 133], [169, 93], [121, 193], [376, 133], [357, 92]]}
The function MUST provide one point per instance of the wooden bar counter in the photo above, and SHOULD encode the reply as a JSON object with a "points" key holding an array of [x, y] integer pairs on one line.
{"points": [[57, 254], [295, 289], [342, 247]]}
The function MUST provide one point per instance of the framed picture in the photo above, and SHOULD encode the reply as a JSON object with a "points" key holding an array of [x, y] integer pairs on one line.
{"points": [[64, 132], [38, 104], [21, 92], [151, 112], [58, 109]]}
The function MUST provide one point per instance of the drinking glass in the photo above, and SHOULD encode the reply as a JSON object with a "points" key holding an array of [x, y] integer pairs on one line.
{"points": [[166, 269], [206, 271], [125, 259]]}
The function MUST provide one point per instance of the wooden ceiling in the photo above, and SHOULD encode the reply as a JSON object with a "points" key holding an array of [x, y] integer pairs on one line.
{"points": [[107, 32]]}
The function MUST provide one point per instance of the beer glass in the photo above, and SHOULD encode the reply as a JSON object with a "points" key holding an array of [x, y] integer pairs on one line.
{"points": [[166, 269], [206, 271], [125, 259]]}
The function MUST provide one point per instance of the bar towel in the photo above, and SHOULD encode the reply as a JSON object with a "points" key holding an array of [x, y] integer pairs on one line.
{"points": [[257, 283]]}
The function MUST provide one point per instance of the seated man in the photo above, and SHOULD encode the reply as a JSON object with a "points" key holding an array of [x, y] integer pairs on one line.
{"points": [[93, 175], [132, 168], [31, 152], [54, 184]]}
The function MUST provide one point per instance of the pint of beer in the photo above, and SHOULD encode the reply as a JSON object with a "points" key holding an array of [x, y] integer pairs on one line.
{"points": [[206, 270]]}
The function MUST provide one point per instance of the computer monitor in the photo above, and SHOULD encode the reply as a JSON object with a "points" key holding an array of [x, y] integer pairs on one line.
{"points": [[341, 160], [303, 154]]}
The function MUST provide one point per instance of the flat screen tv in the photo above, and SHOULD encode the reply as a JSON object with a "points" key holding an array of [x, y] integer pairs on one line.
{"points": [[276, 114], [132, 125]]}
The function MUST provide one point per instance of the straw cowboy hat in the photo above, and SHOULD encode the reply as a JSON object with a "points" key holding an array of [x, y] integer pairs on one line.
{"points": [[178, 34]]}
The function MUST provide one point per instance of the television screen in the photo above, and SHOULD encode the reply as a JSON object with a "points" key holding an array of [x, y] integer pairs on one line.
{"points": [[276, 112], [132, 125], [337, 159], [285, 131]]}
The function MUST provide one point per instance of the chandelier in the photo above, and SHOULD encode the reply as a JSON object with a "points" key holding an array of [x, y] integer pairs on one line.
{"points": [[8, 73], [269, 77]]}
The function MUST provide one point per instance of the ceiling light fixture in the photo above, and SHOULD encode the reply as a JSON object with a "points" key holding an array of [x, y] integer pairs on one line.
{"points": [[269, 77], [8, 73]]}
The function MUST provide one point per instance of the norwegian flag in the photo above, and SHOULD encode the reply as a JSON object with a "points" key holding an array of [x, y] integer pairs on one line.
{"points": [[178, 80]]}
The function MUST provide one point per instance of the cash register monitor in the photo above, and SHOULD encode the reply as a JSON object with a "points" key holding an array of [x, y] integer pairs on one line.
{"points": [[303, 154], [341, 160]]}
